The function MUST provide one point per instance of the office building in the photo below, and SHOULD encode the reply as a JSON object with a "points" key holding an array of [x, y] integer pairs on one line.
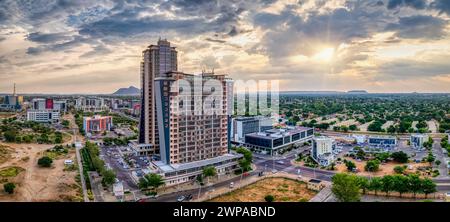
{"points": [[360, 139], [157, 60], [385, 142], [322, 150], [12, 102], [91, 104], [245, 125], [417, 140], [274, 141], [60, 105], [38, 104], [97, 124], [175, 126], [43, 116]]}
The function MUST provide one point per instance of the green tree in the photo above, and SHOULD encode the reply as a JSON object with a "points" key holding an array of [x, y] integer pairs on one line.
{"points": [[375, 184], [363, 183], [346, 187], [109, 177], [428, 186], [269, 198], [245, 163], [414, 184], [45, 161], [387, 184], [9, 187], [350, 165], [353, 127], [400, 157], [399, 169], [151, 180], [10, 136], [209, 172], [372, 165], [400, 184], [430, 158]]}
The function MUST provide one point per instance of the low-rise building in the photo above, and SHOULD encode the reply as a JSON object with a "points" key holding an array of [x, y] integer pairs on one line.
{"points": [[322, 150], [92, 104], [386, 142], [43, 116], [275, 141], [97, 124], [242, 126], [417, 140], [175, 174], [315, 185], [360, 139]]}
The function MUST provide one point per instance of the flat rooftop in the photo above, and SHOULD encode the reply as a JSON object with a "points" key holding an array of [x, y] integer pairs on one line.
{"points": [[278, 133], [166, 168]]}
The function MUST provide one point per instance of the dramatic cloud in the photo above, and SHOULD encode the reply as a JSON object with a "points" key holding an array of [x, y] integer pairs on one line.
{"points": [[62, 45]]}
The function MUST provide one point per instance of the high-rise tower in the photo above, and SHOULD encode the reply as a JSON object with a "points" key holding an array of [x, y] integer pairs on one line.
{"points": [[157, 60]]}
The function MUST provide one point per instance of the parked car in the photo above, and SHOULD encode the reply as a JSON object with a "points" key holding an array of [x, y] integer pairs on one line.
{"points": [[231, 184], [181, 198]]}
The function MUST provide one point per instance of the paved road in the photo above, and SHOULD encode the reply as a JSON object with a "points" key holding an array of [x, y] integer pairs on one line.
{"points": [[80, 167]]}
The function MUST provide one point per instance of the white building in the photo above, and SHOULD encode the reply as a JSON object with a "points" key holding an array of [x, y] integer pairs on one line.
{"points": [[92, 104], [360, 139], [322, 151], [38, 104], [242, 126], [417, 140], [43, 116]]}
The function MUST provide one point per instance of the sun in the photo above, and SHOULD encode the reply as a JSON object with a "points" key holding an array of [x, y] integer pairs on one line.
{"points": [[326, 55]]}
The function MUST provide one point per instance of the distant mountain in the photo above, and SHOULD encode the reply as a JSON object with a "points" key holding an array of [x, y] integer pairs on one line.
{"points": [[130, 91], [358, 91]]}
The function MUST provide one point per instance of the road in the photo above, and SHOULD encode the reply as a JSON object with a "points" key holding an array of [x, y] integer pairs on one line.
{"points": [[75, 131]]}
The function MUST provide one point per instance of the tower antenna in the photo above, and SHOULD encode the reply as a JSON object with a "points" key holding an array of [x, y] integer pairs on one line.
{"points": [[14, 91]]}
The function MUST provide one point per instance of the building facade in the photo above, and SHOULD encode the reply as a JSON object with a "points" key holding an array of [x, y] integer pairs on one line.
{"points": [[91, 104], [322, 150], [43, 116], [276, 140], [246, 125], [97, 124], [417, 140], [386, 142], [157, 60]]}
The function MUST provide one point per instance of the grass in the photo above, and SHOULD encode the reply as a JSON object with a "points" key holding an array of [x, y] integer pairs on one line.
{"points": [[11, 171], [4, 153]]}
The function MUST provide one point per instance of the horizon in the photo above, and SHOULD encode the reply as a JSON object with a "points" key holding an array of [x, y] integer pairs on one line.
{"points": [[385, 46]]}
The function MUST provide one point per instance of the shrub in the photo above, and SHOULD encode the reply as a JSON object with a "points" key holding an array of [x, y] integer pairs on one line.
{"points": [[9, 187], [45, 161], [269, 198]]}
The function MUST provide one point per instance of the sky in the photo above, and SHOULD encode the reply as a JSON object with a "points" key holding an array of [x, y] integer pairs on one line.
{"points": [[84, 46]]}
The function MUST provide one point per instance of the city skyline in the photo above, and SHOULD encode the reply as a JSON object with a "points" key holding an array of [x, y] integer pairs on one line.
{"points": [[84, 47]]}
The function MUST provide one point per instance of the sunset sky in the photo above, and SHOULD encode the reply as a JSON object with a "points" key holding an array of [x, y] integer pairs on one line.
{"points": [[95, 46]]}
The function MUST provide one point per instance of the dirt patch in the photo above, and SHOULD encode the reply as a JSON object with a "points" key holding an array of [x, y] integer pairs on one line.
{"points": [[34, 183], [5, 153], [284, 190], [385, 169]]}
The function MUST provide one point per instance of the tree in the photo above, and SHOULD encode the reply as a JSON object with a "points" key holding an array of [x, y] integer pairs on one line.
{"points": [[382, 157], [10, 136], [363, 183], [430, 158], [353, 127], [400, 184], [372, 165], [209, 172], [45, 161], [346, 187], [437, 162], [387, 184], [9, 187], [400, 157], [151, 180], [109, 177], [350, 165], [375, 184], [399, 169], [428, 186], [245, 163], [269, 198], [414, 184]]}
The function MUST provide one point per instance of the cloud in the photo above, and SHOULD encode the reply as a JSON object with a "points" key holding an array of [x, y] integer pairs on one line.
{"points": [[419, 26], [47, 37], [443, 6], [416, 4]]}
